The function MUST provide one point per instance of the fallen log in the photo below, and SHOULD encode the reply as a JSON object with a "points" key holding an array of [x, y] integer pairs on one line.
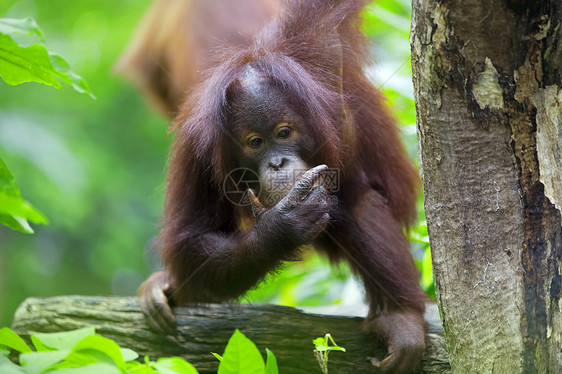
{"points": [[288, 332]]}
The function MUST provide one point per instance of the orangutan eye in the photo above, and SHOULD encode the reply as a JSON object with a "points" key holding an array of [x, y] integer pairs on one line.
{"points": [[255, 142], [284, 132]]}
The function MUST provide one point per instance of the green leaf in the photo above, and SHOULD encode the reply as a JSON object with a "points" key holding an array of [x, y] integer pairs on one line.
{"points": [[96, 368], [25, 64], [173, 365], [129, 354], [323, 344], [14, 211], [16, 223], [98, 343], [23, 31], [271, 363], [65, 339], [12, 340], [321, 348], [21, 210], [8, 183], [37, 362], [319, 342], [62, 70], [39, 346], [337, 348], [135, 367], [217, 356], [23, 58], [83, 358], [241, 356]]}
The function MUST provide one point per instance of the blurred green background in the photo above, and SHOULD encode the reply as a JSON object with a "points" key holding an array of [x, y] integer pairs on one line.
{"points": [[97, 168]]}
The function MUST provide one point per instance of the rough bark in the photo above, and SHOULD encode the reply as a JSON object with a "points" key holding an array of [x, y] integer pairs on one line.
{"points": [[487, 89], [288, 332]]}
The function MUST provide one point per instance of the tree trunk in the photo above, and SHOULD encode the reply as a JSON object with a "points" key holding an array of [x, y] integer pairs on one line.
{"points": [[487, 78], [201, 330]]}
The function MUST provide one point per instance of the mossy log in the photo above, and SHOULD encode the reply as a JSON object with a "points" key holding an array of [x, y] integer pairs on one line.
{"points": [[288, 332]]}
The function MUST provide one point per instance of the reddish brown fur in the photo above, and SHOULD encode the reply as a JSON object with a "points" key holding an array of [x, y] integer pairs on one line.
{"points": [[316, 52]]}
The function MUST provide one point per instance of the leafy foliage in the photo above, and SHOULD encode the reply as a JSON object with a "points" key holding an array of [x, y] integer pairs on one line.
{"points": [[29, 64], [242, 356], [15, 211], [23, 58], [95, 167], [20, 63], [80, 351], [322, 348]]}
